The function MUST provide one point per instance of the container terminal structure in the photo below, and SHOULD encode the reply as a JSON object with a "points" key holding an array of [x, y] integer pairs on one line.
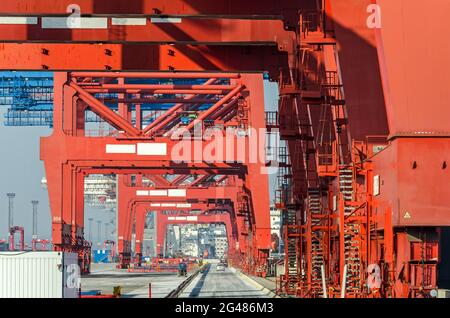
{"points": [[363, 96]]}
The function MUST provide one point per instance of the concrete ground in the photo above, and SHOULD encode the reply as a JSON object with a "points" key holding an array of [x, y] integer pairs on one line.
{"points": [[223, 284], [104, 277], [267, 282]]}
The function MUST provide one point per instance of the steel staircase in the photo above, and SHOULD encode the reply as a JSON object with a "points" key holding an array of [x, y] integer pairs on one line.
{"points": [[291, 249], [346, 188], [351, 232], [317, 237]]}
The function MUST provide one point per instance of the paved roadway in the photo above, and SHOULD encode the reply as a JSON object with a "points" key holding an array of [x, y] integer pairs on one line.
{"points": [[104, 277], [226, 284]]}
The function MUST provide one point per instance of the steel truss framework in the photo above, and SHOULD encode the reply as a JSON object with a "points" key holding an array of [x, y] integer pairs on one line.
{"points": [[178, 218], [343, 237], [194, 199], [69, 155]]}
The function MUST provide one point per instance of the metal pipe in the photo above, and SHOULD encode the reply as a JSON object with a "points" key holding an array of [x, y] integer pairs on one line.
{"points": [[158, 91], [22, 239], [10, 210], [225, 109], [35, 205], [155, 75], [215, 107], [344, 282], [166, 115], [104, 112], [160, 101], [324, 284], [152, 87]]}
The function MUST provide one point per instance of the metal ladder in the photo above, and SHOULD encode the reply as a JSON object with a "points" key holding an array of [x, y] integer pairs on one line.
{"points": [[291, 249], [346, 188], [352, 232], [317, 252]]}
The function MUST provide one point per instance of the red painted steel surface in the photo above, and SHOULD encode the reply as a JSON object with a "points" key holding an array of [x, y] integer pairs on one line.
{"points": [[174, 7], [69, 155], [413, 181], [204, 199], [164, 220], [359, 68], [189, 31], [346, 88], [415, 76], [118, 57]]}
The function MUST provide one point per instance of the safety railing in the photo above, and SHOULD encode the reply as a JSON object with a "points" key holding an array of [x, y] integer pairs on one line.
{"points": [[272, 119], [311, 21]]}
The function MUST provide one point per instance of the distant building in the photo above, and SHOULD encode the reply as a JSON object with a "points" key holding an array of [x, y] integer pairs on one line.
{"points": [[221, 246], [275, 227], [275, 221], [3, 245]]}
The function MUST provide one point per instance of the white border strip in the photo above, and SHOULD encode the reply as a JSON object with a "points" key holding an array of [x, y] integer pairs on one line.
{"points": [[158, 193], [119, 148], [184, 205], [178, 205], [128, 21], [152, 149], [166, 20], [18, 20], [177, 193], [85, 22], [74, 23]]}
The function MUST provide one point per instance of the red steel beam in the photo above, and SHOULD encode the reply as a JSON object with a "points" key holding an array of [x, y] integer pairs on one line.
{"points": [[159, 180], [69, 156], [249, 8], [215, 107], [147, 87], [118, 57], [161, 100], [188, 31], [105, 149], [160, 121], [155, 167], [105, 112], [157, 75], [199, 180], [152, 92], [162, 220], [170, 116], [142, 198], [179, 180], [192, 194], [181, 206]]}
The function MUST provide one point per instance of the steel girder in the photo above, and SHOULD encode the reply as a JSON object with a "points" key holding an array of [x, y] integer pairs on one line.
{"points": [[138, 199], [181, 217], [287, 10], [188, 31], [69, 155], [147, 57]]}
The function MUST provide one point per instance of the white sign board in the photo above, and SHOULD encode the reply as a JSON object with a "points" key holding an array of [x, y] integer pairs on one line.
{"points": [[376, 185]]}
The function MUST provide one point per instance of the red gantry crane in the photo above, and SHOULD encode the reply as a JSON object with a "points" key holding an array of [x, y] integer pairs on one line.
{"points": [[363, 111], [226, 197]]}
